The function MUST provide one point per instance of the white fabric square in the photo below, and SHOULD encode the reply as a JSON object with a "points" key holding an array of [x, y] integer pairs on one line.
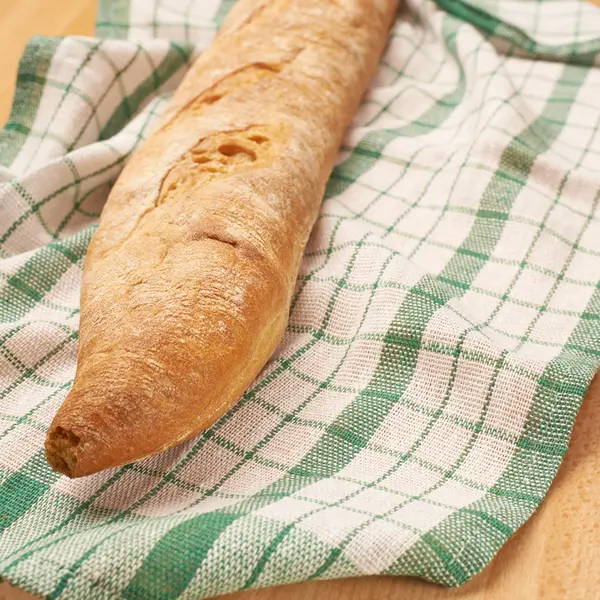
{"points": [[565, 223], [131, 487], [26, 439], [288, 390], [290, 444], [33, 342], [26, 397], [432, 259], [579, 192], [250, 479], [386, 211], [503, 419], [217, 461], [313, 302], [249, 425], [287, 510], [454, 494], [422, 515], [446, 326], [514, 319], [427, 391], [486, 461], [374, 501], [5, 424], [383, 307], [73, 110], [368, 466], [583, 266], [515, 241], [411, 479], [368, 266], [331, 490], [452, 437], [539, 351], [532, 286], [546, 174], [501, 340], [590, 240], [571, 297], [169, 500], [376, 546], [347, 312], [452, 229], [411, 188], [322, 360], [367, 112], [475, 306], [418, 221], [469, 390], [8, 373], [358, 198], [401, 428], [549, 252], [333, 525], [380, 176], [496, 277], [553, 328], [470, 186], [530, 204], [210, 504], [359, 363], [140, 69], [326, 406]]}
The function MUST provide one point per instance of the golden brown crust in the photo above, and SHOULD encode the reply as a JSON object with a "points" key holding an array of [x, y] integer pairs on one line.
{"points": [[188, 280]]}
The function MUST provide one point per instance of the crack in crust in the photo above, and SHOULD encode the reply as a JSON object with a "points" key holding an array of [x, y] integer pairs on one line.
{"points": [[244, 77]]}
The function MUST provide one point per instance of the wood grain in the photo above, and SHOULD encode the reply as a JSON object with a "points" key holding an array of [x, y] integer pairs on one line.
{"points": [[555, 556]]}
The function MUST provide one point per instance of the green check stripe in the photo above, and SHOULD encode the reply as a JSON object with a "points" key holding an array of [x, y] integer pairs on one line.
{"points": [[20, 491], [177, 56], [357, 423], [33, 68], [39, 275], [113, 19], [17, 495], [199, 534], [350, 432], [501, 192], [551, 410], [576, 53]]}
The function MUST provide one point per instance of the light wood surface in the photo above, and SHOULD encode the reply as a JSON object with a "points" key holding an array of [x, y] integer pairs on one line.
{"points": [[555, 556]]}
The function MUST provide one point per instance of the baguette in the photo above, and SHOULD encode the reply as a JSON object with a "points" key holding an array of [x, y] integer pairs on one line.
{"points": [[188, 280]]}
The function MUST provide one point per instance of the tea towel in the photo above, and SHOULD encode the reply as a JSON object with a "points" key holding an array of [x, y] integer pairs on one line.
{"points": [[445, 325]]}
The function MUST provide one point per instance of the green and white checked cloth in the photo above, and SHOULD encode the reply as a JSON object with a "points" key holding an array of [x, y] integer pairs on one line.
{"points": [[445, 326]]}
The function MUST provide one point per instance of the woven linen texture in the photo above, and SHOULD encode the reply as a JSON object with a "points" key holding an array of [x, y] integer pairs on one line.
{"points": [[444, 329]]}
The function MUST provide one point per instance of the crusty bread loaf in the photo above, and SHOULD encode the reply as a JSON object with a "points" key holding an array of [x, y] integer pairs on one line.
{"points": [[188, 281]]}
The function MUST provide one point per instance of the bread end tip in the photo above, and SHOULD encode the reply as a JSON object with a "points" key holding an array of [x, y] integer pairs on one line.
{"points": [[61, 446]]}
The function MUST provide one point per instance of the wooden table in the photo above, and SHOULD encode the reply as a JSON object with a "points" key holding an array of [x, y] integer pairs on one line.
{"points": [[555, 556]]}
